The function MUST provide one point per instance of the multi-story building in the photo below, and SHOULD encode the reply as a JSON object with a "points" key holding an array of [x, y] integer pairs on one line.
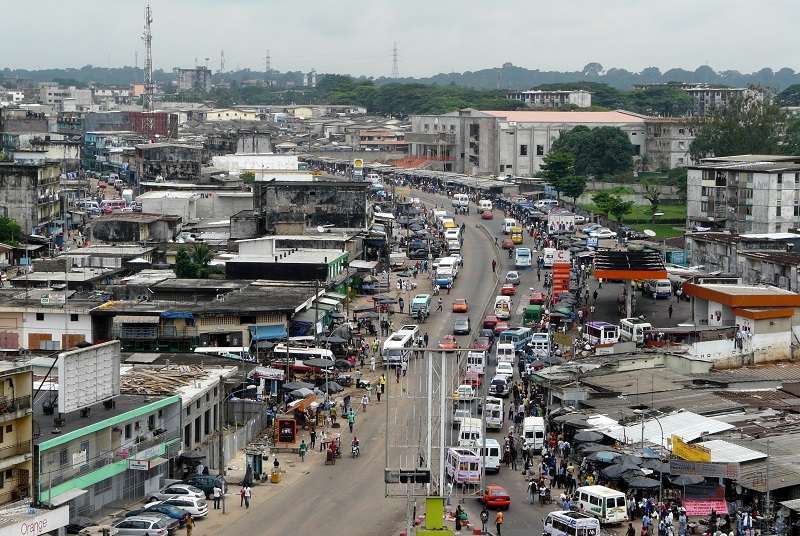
{"points": [[667, 142], [16, 427], [29, 194], [707, 99], [169, 161], [744, 194], [539, 98], [198, 78]]}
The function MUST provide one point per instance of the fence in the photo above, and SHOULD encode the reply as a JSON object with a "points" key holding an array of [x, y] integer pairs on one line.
{"points": [[238, 438]]}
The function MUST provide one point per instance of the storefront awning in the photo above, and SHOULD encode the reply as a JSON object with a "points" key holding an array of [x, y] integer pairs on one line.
{"points": [[135, 319], [268, 333], [63, 498], [177, 314]]}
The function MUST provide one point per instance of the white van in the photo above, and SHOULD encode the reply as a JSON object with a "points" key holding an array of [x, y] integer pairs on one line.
{"points": [[563, 523], [502, 307], [463, 466], [452, 234], [606, 504], [540, 344], [493, 413], [545, 203], [449, 262], [453, 246], [461, 200], [658, 288], [505, 352], [484, 204], [476, 361], [533, 433], [470, 432], [548, 257], [633, 329], [508, 224], [492, 455]]}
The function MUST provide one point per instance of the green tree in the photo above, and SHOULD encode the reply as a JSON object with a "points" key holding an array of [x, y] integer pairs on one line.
{"points": [[604, 202], [790, 96], [659, 100], [557, 166], [652, 192], [621, 208], [677, 177], [184, 267], [573, 186], [791, 138], [599, 151], [747, 125], [201, 257], [10, 231]]}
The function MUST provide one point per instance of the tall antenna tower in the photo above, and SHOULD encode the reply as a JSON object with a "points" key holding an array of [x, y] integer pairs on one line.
{"points": [[395, 65], [147, 36], [268, 64], [222, 61], [135, 59]]}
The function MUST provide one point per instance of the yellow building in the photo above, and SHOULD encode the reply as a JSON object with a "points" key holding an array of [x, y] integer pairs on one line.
{"points": [[16, 421]]}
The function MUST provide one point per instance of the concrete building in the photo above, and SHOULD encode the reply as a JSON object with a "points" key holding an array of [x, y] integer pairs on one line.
{"points": [[293, 207], [744, 194], [538, 98], [506, 143], [667, 142], [707, 98], [230, 114], [29, 194], [260, 258], [168, 161], [265, 167], [135, 227], [16, 420], [720, 251], [197, 79], [20, 120], [40, 148]]}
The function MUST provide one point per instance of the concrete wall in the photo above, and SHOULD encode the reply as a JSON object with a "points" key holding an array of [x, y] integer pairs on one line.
{"points": [[56, 323], [183, 206], [669, 194], [113, 231]]}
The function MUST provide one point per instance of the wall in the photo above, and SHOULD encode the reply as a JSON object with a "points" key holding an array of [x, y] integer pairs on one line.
{"points": [[222, 205], [168, 205], [56, 323], [29, 194], [669, 194], [117, 231]]}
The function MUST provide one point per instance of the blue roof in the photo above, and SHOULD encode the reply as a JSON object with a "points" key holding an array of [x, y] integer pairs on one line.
{"points": [[268, 333]]}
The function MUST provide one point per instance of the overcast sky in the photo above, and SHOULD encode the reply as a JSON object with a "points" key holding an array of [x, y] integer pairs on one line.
{"points": [[349, 36]]}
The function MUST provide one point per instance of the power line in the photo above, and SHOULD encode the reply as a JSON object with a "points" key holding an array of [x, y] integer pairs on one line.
{"points": [[395, 65]]}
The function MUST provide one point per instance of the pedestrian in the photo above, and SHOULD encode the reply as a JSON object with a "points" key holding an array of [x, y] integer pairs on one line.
{"points": [[217, 494], [594, 296], [425, 339], [383, 383], [631, 531], [313, 436], [248, 494], [372, 363], [189, 525], [378, 394], [364, 402], [401, 303], [302, 450], [449, 491], [404, 367], [440, 302], [484, 519], [351, 420], [499, 519], [670, 310], [461, 516], [323, 441], [494, 264], [241, 497]]}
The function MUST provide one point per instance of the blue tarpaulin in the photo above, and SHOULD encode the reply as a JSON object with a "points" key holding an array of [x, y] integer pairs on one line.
{"points": [[177, 314], [267, 333]]}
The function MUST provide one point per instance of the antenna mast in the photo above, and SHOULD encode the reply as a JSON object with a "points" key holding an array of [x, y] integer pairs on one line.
{"points": [[395, 66], [222, 61], [147, 36]]}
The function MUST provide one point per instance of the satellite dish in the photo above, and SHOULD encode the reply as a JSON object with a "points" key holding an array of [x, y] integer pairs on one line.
{"points": [[649, 233], [658, 214], [320, 229]]}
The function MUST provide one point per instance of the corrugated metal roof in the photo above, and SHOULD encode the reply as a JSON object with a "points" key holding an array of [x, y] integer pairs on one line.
{"points": [[725, 452], [685, 424], [753, 475]]}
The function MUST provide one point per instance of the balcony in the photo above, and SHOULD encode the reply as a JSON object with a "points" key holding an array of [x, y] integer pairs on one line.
{"points": [[436, 138], [151, 332], [12, 405], [15, 450], [14, 494]]}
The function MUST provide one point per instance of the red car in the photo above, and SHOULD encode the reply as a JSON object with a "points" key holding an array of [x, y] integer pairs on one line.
{"points": [[460, 305], [495, 496], [507, 244], [508, 289], [490, 321], [537, 298], [472, 378], [500, 327], [482, 343], [448, 342], [487, 215]]}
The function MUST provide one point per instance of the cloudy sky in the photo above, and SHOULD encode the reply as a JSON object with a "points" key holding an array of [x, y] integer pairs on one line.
{"points": [[356, 37]]}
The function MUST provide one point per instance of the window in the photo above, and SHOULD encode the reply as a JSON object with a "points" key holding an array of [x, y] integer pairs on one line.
{"points": [[426, 127], [681, 131], [523, 150], [748, 210], [540, 150], [103, 486], [637, 149], [208, 396], [62, 457], [704, 191], [151, 422], [128, 431], [796, 210], [780, 178], [136, 426], [215, 392], [198, 404], [9, 428], [73, 317], [9, 473], [40, 316], [188, 409], [778, 211], [247, 319], [160, 413]]}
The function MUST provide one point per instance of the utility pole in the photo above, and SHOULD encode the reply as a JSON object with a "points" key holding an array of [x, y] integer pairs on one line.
{"points": [[267, 66], [316, 312], [147, 36], [767, 505], [222, 61]]}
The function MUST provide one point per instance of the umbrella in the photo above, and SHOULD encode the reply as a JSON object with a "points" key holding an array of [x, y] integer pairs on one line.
{"points": [[587, 448], [616, 471], [263, 345], [331, 387], [370, 314], [301, 393], [656, 465], [363, 308], [603, 456], [587, 436], [333, 339], [646, 453], [631, 460], [318, 363], [343, 364], [642, 482], [687, 480], [293, 386]]}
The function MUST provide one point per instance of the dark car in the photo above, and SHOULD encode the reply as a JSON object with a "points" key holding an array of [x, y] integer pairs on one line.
{"points": [[488, 333], [172, 511], [205, 483], [461, 326], [418, 254]]}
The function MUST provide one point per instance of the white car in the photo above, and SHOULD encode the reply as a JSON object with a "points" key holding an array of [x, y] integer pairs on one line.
{"points": [[459, 258], [178, 490], [591, 227], [144, 526], [464, 392], [192, 505], [603, 233], [512, 277], [504, 368], [579, 219]]}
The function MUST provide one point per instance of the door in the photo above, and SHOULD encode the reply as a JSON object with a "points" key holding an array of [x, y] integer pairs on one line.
{"points": [[71, 341], [35, 340]]}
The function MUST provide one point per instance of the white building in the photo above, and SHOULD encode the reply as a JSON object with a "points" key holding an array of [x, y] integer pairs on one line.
{"points": [[266, 167], [537, 98], [707, 99], [745, 194]]}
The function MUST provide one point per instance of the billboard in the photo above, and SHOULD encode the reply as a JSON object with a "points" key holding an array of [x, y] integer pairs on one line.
{"points": [[708, 469], [87, 376], [692, 453]]}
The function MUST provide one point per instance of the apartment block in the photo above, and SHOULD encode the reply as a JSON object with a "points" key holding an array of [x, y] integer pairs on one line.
{"points": [[16, 422], [29, 194], [538, 98]]}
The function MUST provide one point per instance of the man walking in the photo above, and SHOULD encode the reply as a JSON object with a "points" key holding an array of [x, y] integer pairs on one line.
{"points": [[351, 420], [484, 519], [313, 436], [440, 302], [499, 519], [248, 494], [217, 494], [302, 450], [670, 311]]}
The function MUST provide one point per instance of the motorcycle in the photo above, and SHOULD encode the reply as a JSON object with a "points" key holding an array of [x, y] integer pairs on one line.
{"points": [[355, 451]]}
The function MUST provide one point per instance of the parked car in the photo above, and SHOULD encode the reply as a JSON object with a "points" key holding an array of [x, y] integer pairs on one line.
{"points": [[178, 490], [487, 215], [504, 368], [461, 326], [144, 526], [512, 277], [418, 254], [172, 512], [495, 496], [464, 392], [460, 305], [205, 483], [603, 233], [193, 505], [579, 219], [591, 227]]}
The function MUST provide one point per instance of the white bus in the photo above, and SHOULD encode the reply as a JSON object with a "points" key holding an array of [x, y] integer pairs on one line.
{"points": [[476, 361], [600, 333], [606, 504], [564, 523], [540, 344], [463, 466], [470, 433], [505, 352], [301, 354], [548, 257], [484, 205], [633, 329], [492, 454], [397, 348], [522, 258], [533, 433]]}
